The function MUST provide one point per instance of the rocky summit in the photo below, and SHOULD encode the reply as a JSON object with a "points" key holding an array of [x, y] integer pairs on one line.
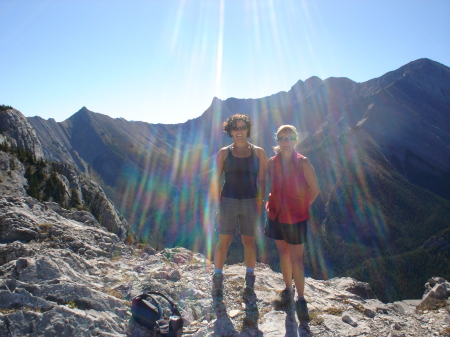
{"points": [[70, 265], [380, 150], [74, 278]]}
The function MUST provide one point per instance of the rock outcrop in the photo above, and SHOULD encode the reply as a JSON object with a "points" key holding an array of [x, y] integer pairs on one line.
{"points": [[436, 295], [77, 191], [12, 176], [17, 131], [65, 275]]}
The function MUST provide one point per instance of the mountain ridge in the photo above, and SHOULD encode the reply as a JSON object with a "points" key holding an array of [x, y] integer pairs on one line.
{"points": [[69, 267], [400, 118]]}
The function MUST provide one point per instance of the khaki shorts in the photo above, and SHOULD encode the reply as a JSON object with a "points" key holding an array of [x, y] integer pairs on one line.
{"points": [[237, 216]]}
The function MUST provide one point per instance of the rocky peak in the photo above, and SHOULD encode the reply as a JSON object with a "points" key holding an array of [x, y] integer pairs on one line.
{"points": [[84, 111], [418, 73], [83, 115], [301, 89], [17, 132]]}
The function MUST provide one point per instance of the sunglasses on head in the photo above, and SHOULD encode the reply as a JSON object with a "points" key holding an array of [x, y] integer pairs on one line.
{"points": [[236, 128], [280, 139]]}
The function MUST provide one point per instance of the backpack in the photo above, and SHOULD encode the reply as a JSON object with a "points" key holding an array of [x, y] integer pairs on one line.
{"points": [[148, 311]]}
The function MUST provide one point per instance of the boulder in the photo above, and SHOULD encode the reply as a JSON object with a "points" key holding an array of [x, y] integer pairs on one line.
{"points": [[435, 298]]}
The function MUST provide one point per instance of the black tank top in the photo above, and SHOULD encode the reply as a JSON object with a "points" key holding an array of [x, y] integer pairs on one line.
{"points": [[240, 176]]}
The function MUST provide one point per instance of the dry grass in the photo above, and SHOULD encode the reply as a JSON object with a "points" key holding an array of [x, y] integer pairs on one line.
{"points": [[113, 292], [31, 309], [316, 318], [235, 283], [262, 312], [357, 306], [72, 305], [6, 311], [46, 226], [334, 311], [192, 260], [127, 277], [116, 256]]}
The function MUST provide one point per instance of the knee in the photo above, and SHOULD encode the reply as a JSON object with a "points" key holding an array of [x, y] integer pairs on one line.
{"points": [[297, 260], [283, 248], [284, 251], [248, 241], [223, 245]]}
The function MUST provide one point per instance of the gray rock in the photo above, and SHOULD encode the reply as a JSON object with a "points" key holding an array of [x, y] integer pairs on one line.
{"points": [[434, 298], [407, 306], [70, 283], [447, 319], [349, 320], [432, 282], [19, 132], [23, 299], [175, 275], [355, 287], [4, 330], [369, 313], [13, 182]]}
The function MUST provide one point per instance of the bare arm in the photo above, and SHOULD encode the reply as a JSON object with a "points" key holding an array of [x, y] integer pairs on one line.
{"points": [[311, 179], [269, 170], [261, 175], [218, 171]]}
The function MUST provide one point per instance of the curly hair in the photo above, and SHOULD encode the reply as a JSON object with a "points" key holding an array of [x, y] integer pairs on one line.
{"points": [[231, 121]]}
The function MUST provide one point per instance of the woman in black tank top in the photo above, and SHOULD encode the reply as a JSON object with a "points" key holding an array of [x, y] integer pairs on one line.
{"points": [[240, 200], [240, 175]]}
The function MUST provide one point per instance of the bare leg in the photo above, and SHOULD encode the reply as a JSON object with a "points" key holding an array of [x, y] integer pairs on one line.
{"points": [[285, 261], [298, 269], [249, 250], [222, 246]]}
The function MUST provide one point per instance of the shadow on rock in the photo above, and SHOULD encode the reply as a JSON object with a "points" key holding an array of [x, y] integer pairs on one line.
{"points": [[134, 329], [291, 323], [250, 322], [223, 325], [292, 329]]}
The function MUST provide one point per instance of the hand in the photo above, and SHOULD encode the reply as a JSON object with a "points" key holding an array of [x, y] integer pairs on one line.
{"points": [[259, 206]]}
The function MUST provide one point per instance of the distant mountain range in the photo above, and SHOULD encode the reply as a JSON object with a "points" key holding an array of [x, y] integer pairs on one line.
{"points": [[381, 150]]}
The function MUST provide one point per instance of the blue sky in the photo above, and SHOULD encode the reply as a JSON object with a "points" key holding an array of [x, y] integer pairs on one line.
{"points": [[163, 61]]}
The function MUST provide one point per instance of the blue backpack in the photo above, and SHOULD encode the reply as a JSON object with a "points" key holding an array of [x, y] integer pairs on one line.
{"points": [[147, 310]]}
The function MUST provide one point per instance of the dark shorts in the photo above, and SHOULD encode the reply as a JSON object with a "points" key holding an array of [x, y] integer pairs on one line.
{"points": [[293, 234]]}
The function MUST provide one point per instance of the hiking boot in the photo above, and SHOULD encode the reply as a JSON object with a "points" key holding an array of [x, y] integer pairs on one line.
{"points": [[302, 311], [304, 330], [217, 287], [250, 281], [287, 299]]}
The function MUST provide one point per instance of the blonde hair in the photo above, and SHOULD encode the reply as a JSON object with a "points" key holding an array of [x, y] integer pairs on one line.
{"points": [[282, 128]]}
